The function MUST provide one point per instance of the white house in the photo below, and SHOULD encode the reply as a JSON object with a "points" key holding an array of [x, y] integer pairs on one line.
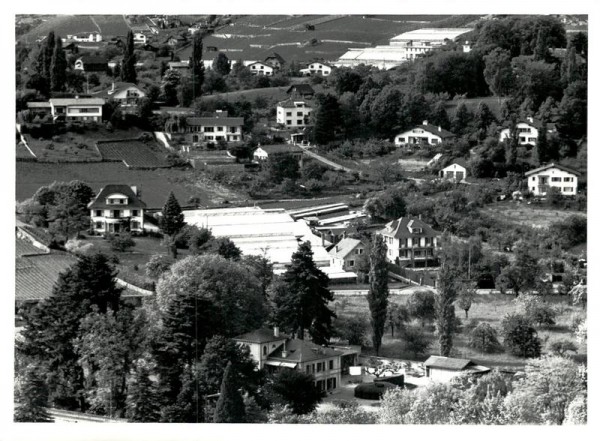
{"points": [[443, 369], [126, 94], [117, 208], [266, 152], [260, 68], [293, 113], [541, 179], [275, 60], [274, 351], [528, 131], [216, 127], [423, 134], [457, 171], [316, 68], [421, 41], [85, 37], [140, 38], [90, 63], [410, 240], [345, 254], [77, 109]]}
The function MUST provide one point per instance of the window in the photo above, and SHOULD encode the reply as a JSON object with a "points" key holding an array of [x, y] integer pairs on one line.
{"points": [[233, 129], [533, 178], [288, 113], [434, 141], [299, 122], [135, 225], [134, 213], [401, 139], [98, 212], [330, 364], [99, 225], [556, 179], [209, 129], [299, 113], [289, 122], [568, 189], [308, 369], [319, 368], [116, 213], [264, 350], [219, 129], [253, 67], [567, 179]]}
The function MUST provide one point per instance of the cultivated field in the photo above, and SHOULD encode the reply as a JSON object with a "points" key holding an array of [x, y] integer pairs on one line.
{"points": [[135, 154], [155, 185], [530, 215], [63, 25], [489, 308]]}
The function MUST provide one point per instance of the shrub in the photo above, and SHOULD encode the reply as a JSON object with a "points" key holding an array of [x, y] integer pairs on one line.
{"points": [[76, 246], [157, 265], [561, 345], [415, 340], [121, 243], [372, 391], [520, 337], [536, 310], [484, 338]]}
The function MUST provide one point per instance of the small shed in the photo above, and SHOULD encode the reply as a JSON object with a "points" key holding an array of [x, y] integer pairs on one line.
{"points": [[443, 369], [456, 170]]}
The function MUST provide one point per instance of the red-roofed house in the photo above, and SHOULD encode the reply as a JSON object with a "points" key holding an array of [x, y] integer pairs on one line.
{"points": [[410, 240], [424, 134], [117, 208]]}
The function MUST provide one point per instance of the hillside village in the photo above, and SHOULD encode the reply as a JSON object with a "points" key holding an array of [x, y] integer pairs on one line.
{"points": [[270, 219]]}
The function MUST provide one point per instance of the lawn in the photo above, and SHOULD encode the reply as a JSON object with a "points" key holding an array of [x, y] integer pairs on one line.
{"points": [[489, 308], [535, 216], [155, 185]]}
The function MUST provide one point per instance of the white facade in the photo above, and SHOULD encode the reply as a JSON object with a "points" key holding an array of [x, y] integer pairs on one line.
{"points": [[73, 109], [528, 134], [139, 38], [417, 136], [421, 41], [441, 375], [316, 69], [293, 114], [92, 37], [261, 351], [110, 220], [347, 259], [454, 171], [540, 182], [259, 68]]}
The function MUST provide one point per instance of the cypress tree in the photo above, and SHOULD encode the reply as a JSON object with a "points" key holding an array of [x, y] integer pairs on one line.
{"points": [[44, 61], [378, 292], [172, 221], [327, 117], [222, 66], [540, 52], [541, 150], [142, 399], [444, 308], [58, 70], [461, 120], [197, 66], [230, 406], [128, 73], [32, 397]]}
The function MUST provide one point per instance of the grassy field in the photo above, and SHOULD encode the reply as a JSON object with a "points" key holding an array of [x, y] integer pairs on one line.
{"points": [[531, 215], [63, 25], [135, 154], [489, 308], [154, 184]]}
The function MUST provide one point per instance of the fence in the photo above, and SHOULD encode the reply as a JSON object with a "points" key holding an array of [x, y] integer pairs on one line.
{"points": [[428, 278]]}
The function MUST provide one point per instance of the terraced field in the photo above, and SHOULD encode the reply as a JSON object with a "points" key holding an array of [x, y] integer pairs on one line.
{"points": [[134, 154], [107, 25]]}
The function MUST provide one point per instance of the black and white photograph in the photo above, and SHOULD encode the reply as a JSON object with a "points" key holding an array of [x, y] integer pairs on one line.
{"points": [[374, 219]]}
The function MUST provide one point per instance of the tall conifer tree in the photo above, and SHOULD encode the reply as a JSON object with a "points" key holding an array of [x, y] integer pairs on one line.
{"points": [[378, 292]]}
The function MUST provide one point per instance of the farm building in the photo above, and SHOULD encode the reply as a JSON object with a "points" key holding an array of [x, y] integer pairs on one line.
{"points": [[317, 68], [346, 253], [117, 208], [275, 60], [259, 68], [89, 63], [266, 152], [293, 113], [271, 232], [410, 240], [421, 41], [423, 134], [443, 369], [304, 91], [541, 179], [528, 131], [457, 171], [77, 109]]}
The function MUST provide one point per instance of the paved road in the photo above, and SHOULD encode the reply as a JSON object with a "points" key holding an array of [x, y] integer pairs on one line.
{"points": [[326, 161]]}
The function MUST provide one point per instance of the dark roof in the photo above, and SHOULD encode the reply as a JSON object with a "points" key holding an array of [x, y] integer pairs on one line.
{"points": [[456, 364], [93, 59], [399, 228], [534, 122], [545, 167], [215, 120], [99, 201], [275, 149], [304, 89], [289, 103], [276, 56], [262, 335], [301, 351], [460, 161], [436, 130]]}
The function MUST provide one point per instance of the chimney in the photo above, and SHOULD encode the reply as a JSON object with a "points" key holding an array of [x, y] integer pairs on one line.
{"points": [[284, 353], [276, 331], [530, 119], [439, 128], [425, 122], [112, 89]]}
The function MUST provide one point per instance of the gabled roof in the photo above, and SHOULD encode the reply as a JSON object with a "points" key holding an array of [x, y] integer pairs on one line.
{"points": [[99, 201], [276, 56], [260, 62], [262, 335], [320, 62], [344, 247], [77, 101], [455, 364], [460, 161], [434, 130], [534, 122], [275, 149], [290, 103], [400, 228], [303, 88], [302, 350], [552, 165]]}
